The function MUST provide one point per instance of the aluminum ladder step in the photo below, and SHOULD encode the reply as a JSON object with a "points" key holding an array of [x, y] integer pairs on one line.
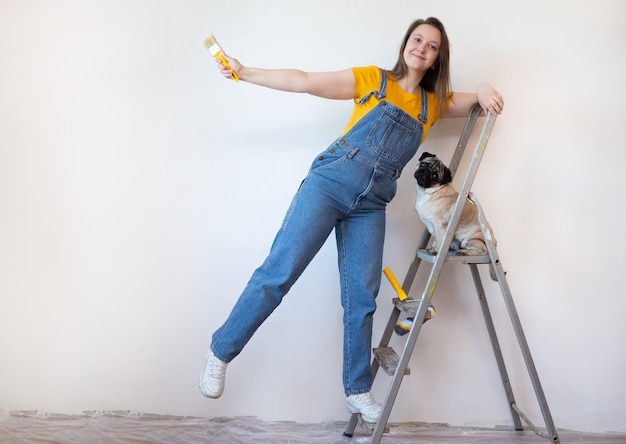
{"points": [[388, 360], [454, 258]]}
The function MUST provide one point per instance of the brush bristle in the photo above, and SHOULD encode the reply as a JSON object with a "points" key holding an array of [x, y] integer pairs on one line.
{"points": [[211, 44]]}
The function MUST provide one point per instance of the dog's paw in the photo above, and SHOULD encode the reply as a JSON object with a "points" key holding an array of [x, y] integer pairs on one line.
{"points": [[432, 251], [470, 252]]}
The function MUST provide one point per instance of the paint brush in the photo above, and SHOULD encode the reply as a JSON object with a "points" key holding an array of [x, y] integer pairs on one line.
{"points": [[216, 51]]}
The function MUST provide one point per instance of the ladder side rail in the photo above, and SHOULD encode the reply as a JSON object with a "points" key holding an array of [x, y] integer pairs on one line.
{"points": [[351, 425], [412, 271], [384, 341], [464, 138], [403, 364], [532, 426], [470, 122], [387, 334], [464, 192], [448, 235], [495, 344], [420, 316], [517, 325], [431, 284]]}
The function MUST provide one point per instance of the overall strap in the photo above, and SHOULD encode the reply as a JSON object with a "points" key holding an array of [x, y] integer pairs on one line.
{"points": [[423, 116], [381, 92]]}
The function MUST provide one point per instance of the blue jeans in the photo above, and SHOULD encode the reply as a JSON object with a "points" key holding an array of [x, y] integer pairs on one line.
{"points": [[347, 189]]}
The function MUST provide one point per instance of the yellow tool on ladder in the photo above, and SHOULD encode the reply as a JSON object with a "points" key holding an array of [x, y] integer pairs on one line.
{"points": [[395, 284]]}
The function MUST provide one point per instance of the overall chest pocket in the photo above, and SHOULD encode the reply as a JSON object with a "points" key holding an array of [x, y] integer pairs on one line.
{"points": [[391, 138]]}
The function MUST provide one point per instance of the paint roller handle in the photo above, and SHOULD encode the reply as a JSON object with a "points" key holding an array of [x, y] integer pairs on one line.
{"points": [[395, 284]]}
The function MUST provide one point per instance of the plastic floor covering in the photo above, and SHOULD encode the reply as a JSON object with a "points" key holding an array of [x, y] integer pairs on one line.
{"points": [[133, 428]]}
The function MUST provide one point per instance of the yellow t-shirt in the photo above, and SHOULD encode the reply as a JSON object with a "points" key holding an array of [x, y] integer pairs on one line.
{"points": [[367, 79]]}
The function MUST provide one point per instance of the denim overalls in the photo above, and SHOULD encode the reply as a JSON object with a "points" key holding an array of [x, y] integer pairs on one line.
{"points": [[347, 189]]}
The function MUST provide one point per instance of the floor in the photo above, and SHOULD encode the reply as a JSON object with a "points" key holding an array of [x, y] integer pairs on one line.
{"points": [[126, 427]]}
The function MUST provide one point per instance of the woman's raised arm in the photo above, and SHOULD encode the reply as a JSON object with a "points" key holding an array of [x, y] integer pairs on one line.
{"points": [[330, 85]]}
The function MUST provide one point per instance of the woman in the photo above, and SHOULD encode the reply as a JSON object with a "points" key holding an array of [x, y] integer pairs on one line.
{"points": [[347, 190]]}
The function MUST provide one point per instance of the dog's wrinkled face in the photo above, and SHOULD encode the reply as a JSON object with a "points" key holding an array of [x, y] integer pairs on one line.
{"points": [[432, 171]]}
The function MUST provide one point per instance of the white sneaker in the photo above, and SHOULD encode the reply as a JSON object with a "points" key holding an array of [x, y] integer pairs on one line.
{"points": [[366, 405], [212, 379]]}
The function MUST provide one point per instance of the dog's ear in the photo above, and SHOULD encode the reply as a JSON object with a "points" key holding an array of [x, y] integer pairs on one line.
{"points": [[426, 155], [447, 176]]}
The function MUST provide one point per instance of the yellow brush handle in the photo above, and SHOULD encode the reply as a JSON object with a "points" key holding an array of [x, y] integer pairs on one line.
{"points": [[219, 55], [395, 284]]}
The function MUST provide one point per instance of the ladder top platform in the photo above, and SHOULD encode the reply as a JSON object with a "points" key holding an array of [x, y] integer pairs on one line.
{"points": [[424, 255]]}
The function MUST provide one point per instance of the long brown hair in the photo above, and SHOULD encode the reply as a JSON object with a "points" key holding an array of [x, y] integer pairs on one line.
{"points": [[437, 79]]}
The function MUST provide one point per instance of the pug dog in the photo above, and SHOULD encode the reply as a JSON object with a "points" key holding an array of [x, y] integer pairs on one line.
{"points": [[435, 201]]}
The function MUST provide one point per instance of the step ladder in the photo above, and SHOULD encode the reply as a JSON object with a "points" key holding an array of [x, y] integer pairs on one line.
{"points": [[397, 365]]}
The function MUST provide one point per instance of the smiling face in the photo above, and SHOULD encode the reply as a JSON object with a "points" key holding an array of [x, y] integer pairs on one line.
{"points": [[422, 48]]}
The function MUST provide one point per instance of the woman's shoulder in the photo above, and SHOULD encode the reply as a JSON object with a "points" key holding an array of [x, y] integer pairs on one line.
{"points": [[368, 68], [366, 78], [367, 72]]}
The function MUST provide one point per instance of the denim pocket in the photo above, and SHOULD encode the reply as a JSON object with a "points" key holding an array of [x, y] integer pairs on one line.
{"points": [[328, 158], [390, 138]]}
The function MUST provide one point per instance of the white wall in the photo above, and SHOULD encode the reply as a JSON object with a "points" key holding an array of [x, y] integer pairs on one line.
{"points": [[139, 189]]}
